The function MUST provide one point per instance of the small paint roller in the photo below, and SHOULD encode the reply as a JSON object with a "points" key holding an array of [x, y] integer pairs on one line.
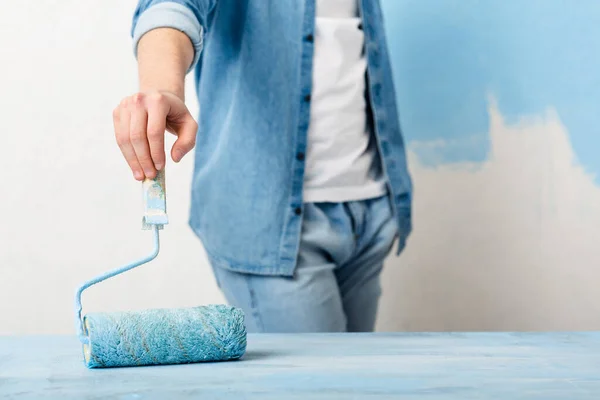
{"points": [[158, 336]]}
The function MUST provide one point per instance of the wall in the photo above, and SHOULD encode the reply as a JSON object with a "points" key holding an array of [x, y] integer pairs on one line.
{"points": [[499, 103], [70, 207]]}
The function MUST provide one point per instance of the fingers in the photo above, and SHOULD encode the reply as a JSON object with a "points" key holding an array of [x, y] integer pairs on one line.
{"points": [[138, 135], [158, 109], [121, 118], [140, 122], [186, 136]]}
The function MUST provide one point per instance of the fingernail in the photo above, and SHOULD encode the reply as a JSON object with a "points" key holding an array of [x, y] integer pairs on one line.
{"points": [[158, 166], [138, 175], [178, 155], [149, 172]]}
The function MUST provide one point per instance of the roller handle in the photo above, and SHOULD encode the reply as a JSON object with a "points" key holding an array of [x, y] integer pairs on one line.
{"points": [[155, 217], [155, 202]]}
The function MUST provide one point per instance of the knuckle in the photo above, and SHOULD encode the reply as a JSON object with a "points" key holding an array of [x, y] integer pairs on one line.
{"points": [[121, 139], [145, 160], [137, 98], [155, 134], [137, 136], [189, 143], [157, 98], [158, 156]]}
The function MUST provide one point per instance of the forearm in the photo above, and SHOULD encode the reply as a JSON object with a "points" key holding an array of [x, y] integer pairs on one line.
{"points": [[168, 38], [164, 56]]}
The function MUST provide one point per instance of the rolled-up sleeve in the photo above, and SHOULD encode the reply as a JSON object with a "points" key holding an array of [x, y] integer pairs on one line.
{"points": [[186, 16]]}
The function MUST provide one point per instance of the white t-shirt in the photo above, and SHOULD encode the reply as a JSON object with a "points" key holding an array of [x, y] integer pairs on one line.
{"points": [[342, 162]]}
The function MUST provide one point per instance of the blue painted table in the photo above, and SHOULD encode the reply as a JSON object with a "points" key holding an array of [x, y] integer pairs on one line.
{"points": [[416, 366]]}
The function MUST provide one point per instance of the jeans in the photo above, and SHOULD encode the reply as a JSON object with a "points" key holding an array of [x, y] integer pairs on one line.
{"points": [[335, 287]]}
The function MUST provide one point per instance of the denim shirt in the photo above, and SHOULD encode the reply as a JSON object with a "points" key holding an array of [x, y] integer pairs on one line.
{"points": [[253, 73]]}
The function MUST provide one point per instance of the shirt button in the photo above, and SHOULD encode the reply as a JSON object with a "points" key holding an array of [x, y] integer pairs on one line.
{"points": [[310, 38], [385, 148], [300, 156], [297, 211], [377, 90], [360, 26], [307, 98]]}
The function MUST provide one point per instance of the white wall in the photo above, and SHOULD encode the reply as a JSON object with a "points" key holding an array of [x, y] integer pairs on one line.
{"points": [[69, 207], [510, 244], [486, 252]]}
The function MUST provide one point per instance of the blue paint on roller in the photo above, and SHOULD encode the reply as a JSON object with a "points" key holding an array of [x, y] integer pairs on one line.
{"points": [[164, 336], [158, 336]]}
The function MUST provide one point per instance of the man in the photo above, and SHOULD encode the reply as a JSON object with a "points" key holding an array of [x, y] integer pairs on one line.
{"points": [[300, 184]]}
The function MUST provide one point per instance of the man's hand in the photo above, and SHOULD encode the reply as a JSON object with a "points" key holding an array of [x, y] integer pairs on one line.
{"points": [[140, 122]]}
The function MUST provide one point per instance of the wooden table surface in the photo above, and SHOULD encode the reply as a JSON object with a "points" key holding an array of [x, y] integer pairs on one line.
{"points": [[429, 366]]}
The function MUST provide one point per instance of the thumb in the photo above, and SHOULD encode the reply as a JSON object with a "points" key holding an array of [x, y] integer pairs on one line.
{"points": [[186, 137]]}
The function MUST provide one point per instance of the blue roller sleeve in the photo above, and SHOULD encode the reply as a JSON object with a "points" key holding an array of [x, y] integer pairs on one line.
{"points": [[164, 336]]}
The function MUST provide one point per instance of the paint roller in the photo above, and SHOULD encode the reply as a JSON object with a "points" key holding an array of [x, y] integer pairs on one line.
{"points": [[158, 336]]}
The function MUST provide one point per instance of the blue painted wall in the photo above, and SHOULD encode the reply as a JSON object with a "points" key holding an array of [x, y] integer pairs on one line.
{"points": [[450, 55]]}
